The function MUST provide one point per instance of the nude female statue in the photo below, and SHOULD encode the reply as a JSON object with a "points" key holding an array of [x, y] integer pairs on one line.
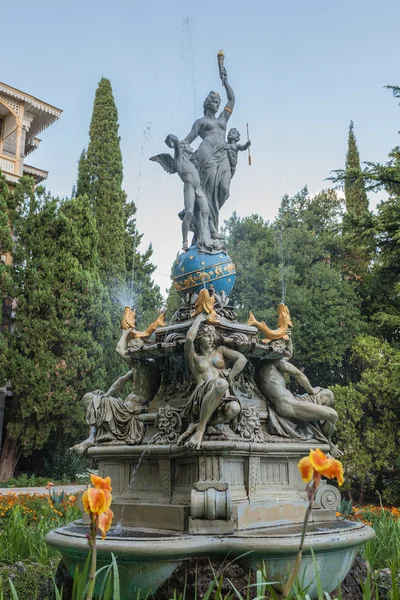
{"points": [[210, 402], [211, 157]]}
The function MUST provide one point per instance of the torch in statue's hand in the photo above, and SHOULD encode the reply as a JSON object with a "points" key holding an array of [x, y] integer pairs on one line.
{"points": [[222, 71]]}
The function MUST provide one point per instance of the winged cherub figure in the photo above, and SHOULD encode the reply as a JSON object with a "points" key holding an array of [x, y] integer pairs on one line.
{"points": [[196, 205]]}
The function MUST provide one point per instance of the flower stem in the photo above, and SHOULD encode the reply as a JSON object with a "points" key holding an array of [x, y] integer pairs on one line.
{"points": [[296, 567], [93, 549]]}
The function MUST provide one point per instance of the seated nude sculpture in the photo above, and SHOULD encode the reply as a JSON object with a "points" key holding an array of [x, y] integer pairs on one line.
{"points": [[213, 401], [111, 419], [315, 406]]}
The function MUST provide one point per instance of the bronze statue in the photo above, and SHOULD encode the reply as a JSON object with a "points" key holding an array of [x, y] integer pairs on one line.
{"points": [[196, 206], [313, 407], [207, 172], [111, 419], [213, 401], [233, 147], [212, 156]]}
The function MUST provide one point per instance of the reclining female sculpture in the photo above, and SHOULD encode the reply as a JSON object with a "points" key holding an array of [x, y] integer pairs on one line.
{"points": [[111, 419]]}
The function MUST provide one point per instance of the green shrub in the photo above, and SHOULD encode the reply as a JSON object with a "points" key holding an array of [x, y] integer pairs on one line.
{"points": [[384, 550], [64, 466], [30, 580], [25, 480]]}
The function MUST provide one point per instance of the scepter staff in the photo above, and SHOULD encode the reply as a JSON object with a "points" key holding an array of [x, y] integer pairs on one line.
{"points": [[248, 139]]}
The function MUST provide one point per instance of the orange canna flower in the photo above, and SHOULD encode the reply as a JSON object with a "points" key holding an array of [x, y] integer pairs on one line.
{"points": [[334, 471], [306, 469], [104, 522], [96, 500], [100, 483], [316, 464], [72, 498], [49, 485]]}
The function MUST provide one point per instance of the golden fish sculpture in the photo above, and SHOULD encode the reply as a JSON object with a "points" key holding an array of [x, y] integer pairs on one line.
{"points": [[284, 322], [129, 318], [205, 303], [129, 322]]}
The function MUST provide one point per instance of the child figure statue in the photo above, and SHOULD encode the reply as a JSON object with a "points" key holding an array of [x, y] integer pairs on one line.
{"points": [[233, 147]]}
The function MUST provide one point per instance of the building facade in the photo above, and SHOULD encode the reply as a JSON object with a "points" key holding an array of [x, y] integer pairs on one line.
{"points": [[22, 118]]}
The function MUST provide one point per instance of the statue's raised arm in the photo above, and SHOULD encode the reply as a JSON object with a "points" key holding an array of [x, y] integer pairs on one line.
{"points": [[228, 109], [211, 105]]}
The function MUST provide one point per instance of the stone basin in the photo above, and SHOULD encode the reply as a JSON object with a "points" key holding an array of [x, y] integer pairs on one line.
{"points": [[147, 558]]}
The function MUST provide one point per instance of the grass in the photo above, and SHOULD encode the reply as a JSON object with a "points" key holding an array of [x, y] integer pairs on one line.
{"points": [[24, 521], [384, 550]]}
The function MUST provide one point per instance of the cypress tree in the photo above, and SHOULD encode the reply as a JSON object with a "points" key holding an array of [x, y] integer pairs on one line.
{"points": [[5, 234], [140, 287], [126, 271], [83, 183], [358, 240], [354, 187], [102, 168], [5, 272], [5, 238]]}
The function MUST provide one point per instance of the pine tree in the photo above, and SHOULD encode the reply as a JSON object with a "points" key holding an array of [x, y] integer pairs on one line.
{"points": [[55, 354], [102, 167], [354, 189]]}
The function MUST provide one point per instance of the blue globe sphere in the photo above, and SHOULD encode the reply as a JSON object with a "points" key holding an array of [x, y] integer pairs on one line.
{"points": [[194, 270]]}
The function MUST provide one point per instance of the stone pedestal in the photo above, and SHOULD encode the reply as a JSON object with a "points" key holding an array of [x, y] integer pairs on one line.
{"points": [[226, 487]]}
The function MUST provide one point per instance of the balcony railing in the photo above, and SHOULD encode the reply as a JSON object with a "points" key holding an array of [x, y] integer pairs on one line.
{"points": [[7, 165]]}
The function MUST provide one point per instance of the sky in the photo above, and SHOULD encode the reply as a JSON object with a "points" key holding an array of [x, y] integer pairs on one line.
{"points": [[300, 72]]}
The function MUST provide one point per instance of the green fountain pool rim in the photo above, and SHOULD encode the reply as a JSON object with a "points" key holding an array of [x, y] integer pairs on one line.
{"points": [[271, 542]]}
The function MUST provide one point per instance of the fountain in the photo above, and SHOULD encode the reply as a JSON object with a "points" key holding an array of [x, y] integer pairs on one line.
{"points": [[203, 452]]}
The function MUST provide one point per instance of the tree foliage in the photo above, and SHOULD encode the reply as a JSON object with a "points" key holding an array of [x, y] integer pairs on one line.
{"points": [[369, 415], [383, 306], [5, 271], [377, 241], [354, 188], [55, 351], [291, 260], [126, 271], [100, 176], [123, 267]]}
